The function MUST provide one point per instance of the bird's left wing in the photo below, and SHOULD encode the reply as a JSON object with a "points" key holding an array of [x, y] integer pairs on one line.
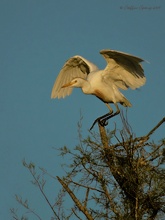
{"points": [[76, 66], [123, 69]]}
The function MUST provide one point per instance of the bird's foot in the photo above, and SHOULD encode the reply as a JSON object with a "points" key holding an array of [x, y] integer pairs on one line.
{"points": [[103, 122]]}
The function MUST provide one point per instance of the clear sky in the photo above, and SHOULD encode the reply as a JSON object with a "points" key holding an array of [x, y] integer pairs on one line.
{"points": [[36, 38]]}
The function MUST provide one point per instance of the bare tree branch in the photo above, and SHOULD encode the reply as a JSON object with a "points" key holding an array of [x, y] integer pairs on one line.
{"points": [[156, 127], [87, 187], [31, 169], [120, 176], [86, 198], [74, 198]]}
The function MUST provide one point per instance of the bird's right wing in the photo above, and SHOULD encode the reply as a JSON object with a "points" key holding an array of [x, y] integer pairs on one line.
{"points": [[123, 69], [76, 66]]}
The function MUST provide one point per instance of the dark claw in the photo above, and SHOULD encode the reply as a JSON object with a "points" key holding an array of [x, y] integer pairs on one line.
{"points": [[94, 123]]}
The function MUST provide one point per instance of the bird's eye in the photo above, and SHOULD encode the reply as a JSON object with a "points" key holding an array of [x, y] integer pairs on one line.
{"points": [[75, 81]]}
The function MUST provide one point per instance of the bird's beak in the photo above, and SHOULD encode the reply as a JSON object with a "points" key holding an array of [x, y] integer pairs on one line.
{"points": [[67, 84]]}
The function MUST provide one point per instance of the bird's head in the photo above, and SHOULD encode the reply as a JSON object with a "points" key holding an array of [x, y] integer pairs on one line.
{"points": [[77, 82]]}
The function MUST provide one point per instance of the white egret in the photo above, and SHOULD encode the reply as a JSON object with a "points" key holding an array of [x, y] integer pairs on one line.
{"points": [[123, 71]]}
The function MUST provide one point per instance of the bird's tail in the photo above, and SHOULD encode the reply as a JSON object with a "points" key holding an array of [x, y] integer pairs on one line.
{"points": [[125, 102]]}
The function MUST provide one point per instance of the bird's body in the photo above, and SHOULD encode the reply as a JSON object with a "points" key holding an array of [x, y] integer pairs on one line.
{"points": [[107, 92], [123, 71]]}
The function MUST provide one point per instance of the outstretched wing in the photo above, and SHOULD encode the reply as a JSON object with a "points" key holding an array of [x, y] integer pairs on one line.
{"points": [[76, 66], [123, 69]]}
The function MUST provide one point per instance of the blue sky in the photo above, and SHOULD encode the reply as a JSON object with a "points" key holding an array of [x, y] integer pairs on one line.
{"points": [[36, 38]]}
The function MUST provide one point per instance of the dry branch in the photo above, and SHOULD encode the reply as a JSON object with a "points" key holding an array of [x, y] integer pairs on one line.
{"points": [[74, 198]]}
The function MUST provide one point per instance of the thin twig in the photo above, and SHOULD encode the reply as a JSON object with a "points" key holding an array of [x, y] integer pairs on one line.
{"points": [[41, 190], [75, 214], [87, 187], [86, 198], [156, 127]]}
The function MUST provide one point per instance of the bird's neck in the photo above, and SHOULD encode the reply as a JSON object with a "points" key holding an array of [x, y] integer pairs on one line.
{"points": [[86, 87]]}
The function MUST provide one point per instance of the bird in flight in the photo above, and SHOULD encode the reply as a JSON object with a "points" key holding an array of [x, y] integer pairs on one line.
{"points": [[122, 71]]}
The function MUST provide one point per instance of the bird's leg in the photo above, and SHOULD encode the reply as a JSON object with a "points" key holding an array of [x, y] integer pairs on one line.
{"points": [[112, 115], [102, 120]]}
